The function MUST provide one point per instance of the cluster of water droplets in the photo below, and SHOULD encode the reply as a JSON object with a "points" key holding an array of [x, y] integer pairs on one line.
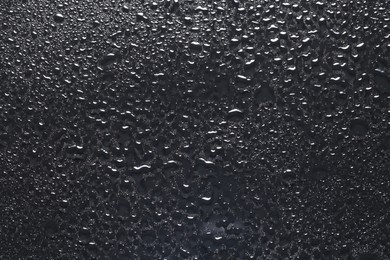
{"points": [[194, 129]]}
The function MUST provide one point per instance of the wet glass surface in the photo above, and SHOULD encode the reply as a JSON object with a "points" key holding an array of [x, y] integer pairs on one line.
{"points": [[194, 129]]}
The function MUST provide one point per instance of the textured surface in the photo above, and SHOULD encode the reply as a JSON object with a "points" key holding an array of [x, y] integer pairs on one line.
{"points": [[194, 129]]}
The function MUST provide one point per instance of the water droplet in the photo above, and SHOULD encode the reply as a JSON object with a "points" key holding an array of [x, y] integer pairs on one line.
{"points": [[359, 127], [235, 115], [59, 18]]}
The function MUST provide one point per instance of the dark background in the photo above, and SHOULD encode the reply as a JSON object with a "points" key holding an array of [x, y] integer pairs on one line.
{"points": [[194, 129]]}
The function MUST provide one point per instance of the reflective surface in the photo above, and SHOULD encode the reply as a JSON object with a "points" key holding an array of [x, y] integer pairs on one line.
{"points": [[194, 129]]}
